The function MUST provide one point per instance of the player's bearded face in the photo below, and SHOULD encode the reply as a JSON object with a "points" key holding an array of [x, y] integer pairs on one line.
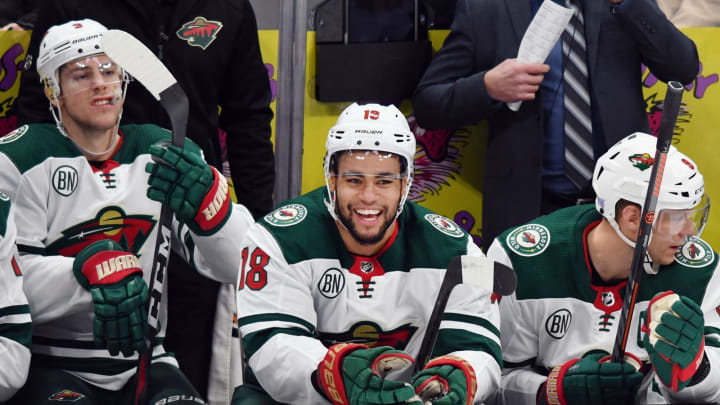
{"points": [[368, 189], [91, 93]]}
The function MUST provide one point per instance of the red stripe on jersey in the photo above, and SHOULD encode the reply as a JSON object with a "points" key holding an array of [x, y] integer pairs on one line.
{"points": [[15, 267]]}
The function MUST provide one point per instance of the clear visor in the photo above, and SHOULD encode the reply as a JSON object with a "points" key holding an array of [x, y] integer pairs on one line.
{"points": [[90, 73], [682, 224]]}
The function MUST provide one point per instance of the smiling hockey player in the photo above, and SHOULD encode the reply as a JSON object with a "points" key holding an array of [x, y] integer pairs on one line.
{"points": [[337, 286], [87, 223], [572, 267]]}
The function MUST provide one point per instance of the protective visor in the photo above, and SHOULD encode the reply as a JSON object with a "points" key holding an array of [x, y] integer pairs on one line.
{"points": [[89, 73], [688, 223]]}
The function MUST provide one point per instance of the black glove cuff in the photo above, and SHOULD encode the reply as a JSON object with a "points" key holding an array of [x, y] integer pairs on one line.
{"points": [[316, 385], [701, 372]]}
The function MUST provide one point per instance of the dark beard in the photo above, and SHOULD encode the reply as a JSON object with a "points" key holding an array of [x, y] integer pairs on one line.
{"points": [[347, 222]]}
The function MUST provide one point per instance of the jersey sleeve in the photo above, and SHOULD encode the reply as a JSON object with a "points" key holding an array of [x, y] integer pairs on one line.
{"points": [[470, 330], [705, 391], [520, 382], [45, 275], [277, 320], [216, 256], [15, 324]]}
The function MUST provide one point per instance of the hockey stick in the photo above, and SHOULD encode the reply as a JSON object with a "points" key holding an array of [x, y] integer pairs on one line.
{"points": [[673, 98], [138, 61], [475, 271]]}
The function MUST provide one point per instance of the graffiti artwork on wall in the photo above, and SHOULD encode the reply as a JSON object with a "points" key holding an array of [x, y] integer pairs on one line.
{"points": [[13, 46]]}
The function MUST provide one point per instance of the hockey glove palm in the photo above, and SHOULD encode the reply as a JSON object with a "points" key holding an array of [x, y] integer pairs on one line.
{"points": [[352, 374], [446, 380], [590, 381], [674, 338], [196, 192], [119, 294]]}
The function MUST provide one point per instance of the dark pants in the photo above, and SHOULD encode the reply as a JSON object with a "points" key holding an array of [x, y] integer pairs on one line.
{"points": [[192, 299], [47, 386], [552, 202], [252, 395]]}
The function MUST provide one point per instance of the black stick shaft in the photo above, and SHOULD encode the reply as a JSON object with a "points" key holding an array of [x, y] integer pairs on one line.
{"points": [[673, 99]]}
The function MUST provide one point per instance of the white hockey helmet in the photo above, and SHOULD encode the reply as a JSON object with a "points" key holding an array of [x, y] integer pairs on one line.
{"points": [[623, 173], [371, 127], [64, 43]]}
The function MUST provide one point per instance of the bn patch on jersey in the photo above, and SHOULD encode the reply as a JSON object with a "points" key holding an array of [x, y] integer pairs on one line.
{"points": [[695, 253], [444, 225], [287, 215], [528, 240]]}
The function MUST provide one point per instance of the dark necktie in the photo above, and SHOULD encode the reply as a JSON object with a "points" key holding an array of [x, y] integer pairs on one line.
{"points": [[579, 159]]}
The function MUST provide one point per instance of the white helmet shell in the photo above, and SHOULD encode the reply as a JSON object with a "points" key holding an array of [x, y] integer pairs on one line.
{"points": [[64, 43], [623, 173], [371, 127]]}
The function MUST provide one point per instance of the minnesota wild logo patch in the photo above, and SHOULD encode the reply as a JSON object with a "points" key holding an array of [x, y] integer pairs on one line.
{"points": [[695, 253], [528, 240], [199, 32], [445, 225], [287, 215], [642, 161], [14, 135]]}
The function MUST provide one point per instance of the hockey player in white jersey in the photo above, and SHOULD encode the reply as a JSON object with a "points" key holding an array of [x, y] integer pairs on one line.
{"points": [[572, 268], [337, 286], [89, 198], [15, 325]]}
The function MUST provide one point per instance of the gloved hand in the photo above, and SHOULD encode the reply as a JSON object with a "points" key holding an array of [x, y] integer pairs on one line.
{"points": [[446, 380], [352, 374], [674, 338], [196, 192], [119, 294], [591, 381]]}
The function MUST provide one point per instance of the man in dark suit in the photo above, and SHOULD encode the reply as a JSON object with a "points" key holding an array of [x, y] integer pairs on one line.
{"points": [[475, 74]]}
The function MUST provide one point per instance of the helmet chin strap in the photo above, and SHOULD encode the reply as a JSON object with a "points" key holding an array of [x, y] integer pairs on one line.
{"points": [[648, 265], [117, 97]]}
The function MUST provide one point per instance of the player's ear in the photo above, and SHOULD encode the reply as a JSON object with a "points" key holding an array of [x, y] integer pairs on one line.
{"points": [[50, 94], [629, 220]]}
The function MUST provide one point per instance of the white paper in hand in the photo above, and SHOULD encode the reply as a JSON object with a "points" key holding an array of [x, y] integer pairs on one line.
{"points": [[542, 34]]}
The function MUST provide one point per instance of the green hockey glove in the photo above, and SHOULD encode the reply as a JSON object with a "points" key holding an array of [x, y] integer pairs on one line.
{"points": [[446, 380], [196, 192], [352, 374], [674, 338], [591, 380], [119, 294]]}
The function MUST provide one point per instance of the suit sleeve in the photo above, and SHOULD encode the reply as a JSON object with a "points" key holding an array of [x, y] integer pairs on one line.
{"points": [[15, 324], [277, 321], [452, 91], [520, 382], [246, 117], [705, 391], [667, 52]]}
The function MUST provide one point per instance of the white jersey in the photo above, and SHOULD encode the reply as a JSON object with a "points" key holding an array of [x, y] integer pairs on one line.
{"points": [[15, 327], [300, 291], [65, 203], [560, 312]]}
